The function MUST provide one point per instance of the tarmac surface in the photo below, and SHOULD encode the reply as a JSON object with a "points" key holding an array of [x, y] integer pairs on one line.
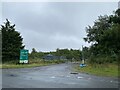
{"points": [[53, 76]]}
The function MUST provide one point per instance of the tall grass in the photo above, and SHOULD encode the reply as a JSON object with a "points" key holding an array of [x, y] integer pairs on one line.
{"points": [[99, 69], [103, 65], [102, 59]]}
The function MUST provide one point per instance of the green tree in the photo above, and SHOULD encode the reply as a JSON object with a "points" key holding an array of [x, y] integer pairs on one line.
{"points": [[34, 50], [96, 32], [69, 54], [34, 54], [104, 36], [115, 18], [11, 42]]}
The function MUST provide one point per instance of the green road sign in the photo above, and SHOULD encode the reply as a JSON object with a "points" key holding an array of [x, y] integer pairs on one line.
{"points": [[23, 56]]}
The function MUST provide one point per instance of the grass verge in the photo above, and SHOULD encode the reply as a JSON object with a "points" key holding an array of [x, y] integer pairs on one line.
{"points": [[99, 70], [32, 63], [22, 66]]}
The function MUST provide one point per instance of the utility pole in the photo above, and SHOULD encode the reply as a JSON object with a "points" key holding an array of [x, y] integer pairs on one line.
{"points": [[119, 5], [83, 61]]}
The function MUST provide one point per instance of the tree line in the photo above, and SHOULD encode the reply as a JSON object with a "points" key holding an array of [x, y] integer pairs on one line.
{"points": [[70, 54]]}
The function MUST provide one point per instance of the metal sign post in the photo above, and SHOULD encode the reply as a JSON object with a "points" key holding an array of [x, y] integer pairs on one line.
{"points": [[23, 56]]}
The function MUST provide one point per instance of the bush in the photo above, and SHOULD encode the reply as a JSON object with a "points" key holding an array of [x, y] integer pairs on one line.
{"points": [[102, 59]]}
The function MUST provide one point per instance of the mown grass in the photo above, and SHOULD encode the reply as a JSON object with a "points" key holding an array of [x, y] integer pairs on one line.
{"points": [[32, 63], [99, 70]]}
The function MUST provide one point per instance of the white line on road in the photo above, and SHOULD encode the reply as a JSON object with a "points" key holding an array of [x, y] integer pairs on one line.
{"points": [[52, 77], [67, 76], [79, 77]]}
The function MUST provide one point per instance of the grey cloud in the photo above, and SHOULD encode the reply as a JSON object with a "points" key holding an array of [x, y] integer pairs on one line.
{"points": [[47, 26]]}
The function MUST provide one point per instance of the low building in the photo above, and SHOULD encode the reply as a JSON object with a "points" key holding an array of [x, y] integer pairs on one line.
{"points": [[48, 57]]}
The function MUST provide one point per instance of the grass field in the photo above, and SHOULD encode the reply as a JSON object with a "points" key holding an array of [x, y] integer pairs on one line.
{"points": [[100, 70]]}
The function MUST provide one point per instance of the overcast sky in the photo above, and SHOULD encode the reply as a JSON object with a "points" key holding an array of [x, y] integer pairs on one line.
{"points": [[47, 26]]}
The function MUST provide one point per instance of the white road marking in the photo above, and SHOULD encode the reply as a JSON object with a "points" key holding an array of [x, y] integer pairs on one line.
{"points": [[79, 77], [52, 77], [111, 81]]}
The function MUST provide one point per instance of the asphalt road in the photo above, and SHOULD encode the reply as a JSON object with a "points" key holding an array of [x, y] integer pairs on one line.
{"points": [[54, 76]]}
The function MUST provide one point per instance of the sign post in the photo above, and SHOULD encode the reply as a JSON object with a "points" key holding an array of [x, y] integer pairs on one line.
{"points": [[23, 56]]}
